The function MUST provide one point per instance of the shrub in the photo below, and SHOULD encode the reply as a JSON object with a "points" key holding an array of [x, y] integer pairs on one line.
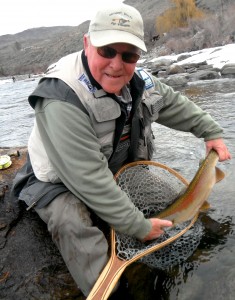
{"points": [[178, 16]]}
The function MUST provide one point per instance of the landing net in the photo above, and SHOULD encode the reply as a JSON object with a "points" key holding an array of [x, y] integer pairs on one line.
{"points": [[152, 187]]}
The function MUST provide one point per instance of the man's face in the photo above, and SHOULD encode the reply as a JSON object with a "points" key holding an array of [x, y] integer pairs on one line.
{"points": [[111, 73]]}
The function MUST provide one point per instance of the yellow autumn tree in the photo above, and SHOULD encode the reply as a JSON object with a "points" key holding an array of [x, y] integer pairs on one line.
{"points": [[178, 16]]}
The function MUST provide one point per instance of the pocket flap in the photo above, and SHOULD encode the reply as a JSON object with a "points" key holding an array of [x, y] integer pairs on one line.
{"points": [[154, 103], [104, 109]]}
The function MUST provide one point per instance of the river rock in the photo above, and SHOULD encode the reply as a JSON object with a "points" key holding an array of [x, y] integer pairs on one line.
{"points": [[176, 80], [163, 61], [159, 70], [183, 56], [228, 69], [205, 67], [175, 69], [192, 64], [204, 75]]}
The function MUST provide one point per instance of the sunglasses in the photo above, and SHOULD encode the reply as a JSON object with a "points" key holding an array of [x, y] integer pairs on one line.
{"points": [[127, 57]]}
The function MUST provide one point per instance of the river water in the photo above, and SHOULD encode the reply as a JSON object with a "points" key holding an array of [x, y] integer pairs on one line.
{"points": [[210, 272]]}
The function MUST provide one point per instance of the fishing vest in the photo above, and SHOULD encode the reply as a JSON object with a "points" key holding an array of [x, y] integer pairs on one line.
{"points": [[103, 112]]}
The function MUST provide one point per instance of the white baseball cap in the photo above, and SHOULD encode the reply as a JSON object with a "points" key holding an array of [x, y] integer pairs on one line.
{"points": [[117, 24]]}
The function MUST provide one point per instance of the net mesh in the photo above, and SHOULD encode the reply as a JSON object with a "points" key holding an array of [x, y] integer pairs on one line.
{"points": [[152, 188]]}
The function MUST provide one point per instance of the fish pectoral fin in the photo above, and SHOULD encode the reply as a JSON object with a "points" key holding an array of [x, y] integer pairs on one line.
{"points": [[219, 174], [205, 206]]}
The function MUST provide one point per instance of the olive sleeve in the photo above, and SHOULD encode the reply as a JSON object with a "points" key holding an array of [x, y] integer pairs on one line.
{"points": [[182, 114]]}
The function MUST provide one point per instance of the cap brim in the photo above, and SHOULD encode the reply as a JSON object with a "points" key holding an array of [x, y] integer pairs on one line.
{"points": [[107, 37]]}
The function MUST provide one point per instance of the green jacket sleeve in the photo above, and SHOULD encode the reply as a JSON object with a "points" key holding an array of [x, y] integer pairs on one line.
{"points": [[74, 152], [182, 114]]}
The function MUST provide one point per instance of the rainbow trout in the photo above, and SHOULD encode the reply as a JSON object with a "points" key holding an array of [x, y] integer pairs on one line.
{"points": [[188, 205]]}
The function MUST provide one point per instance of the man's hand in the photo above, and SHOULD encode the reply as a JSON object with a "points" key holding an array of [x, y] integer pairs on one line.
{"points": [[219, 146], [157, 228]]}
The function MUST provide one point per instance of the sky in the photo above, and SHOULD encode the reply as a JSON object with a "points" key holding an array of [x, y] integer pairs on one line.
{"points": [[19, 15]]}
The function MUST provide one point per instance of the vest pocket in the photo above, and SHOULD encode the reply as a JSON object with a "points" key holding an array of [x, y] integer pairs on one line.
{"points": [[142, 152], [151, 148], [153, 105], [104, 109]]}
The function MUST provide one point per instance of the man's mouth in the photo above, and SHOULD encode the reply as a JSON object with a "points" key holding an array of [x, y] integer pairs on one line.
{"points": [[113, 76]]}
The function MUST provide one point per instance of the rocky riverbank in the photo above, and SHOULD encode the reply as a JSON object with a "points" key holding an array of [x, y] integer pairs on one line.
{"points": [[206, 64]]}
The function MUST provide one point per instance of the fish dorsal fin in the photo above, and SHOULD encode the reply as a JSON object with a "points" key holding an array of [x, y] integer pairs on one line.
{"points": [[219, 174]]}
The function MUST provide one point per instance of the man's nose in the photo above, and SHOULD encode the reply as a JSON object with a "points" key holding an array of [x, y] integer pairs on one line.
{"points": [[117, 61]]}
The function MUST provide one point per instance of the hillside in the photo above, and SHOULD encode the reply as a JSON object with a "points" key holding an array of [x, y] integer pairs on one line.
{"points": [[31, 51]]}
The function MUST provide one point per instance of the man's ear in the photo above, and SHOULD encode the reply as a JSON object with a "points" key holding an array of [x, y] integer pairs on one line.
{"points": [[86, 42]]}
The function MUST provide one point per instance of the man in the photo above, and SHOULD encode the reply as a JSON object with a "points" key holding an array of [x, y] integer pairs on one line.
{"points": [[93, 113]]}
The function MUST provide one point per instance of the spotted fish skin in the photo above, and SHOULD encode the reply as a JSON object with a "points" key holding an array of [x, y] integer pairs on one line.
{"points": [[190, 202]]}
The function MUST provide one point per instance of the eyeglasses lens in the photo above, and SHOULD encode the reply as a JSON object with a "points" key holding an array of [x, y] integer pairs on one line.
{"points": [[127, 57]]}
